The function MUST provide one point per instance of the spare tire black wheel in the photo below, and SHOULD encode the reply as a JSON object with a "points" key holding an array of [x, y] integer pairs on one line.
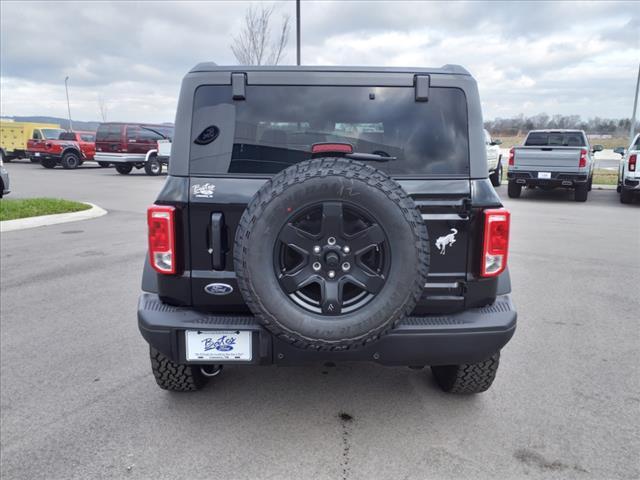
{"points": [[330, 254], [104, 164]]}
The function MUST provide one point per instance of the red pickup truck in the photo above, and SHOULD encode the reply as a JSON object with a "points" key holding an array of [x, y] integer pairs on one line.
{"points": [[70, 150]]}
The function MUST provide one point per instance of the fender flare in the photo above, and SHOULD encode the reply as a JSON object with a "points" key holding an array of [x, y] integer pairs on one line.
{"points": [[74, 150], [150, 153]]}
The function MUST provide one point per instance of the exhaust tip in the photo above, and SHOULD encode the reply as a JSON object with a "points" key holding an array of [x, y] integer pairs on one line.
{"points": [[215, 370]]}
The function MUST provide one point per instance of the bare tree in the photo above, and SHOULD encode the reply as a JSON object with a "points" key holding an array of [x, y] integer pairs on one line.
{"points": [[254, 44], [103, 108]]}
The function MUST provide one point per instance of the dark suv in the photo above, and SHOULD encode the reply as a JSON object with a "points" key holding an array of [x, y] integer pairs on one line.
{"points": [[327, 214]]}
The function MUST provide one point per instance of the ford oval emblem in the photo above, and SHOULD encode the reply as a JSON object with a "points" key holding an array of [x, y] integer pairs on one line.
{"points": [[218, 289]]}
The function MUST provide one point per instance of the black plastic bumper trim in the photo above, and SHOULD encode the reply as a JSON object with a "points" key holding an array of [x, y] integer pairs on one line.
{"points": [[464, 337], [557, 178]]}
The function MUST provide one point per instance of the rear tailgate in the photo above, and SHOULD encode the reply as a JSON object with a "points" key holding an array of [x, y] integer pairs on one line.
{"points": [[445, 206], [548, 158]]}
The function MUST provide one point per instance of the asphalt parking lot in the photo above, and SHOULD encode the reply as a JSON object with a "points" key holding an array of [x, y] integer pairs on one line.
{"points": [[79, 401]]}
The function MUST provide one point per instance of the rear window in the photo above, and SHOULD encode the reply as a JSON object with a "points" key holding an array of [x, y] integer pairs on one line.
{"points": [[557, 139], [276, 125], [108, 133], [144, 133], [52, 133], [68, 136], [88, 137]]}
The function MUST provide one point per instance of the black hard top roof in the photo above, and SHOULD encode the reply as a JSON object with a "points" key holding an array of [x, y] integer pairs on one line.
{"points": [[213, 67]]}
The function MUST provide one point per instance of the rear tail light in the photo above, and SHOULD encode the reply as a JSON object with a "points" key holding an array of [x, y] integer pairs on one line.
{"points": [[583, 158], [162, 238], [496, 242], [512, 155], [632, 162]]}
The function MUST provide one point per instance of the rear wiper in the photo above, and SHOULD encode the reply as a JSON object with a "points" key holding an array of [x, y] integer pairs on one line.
{"points": [[370, 157], [164, 137]]}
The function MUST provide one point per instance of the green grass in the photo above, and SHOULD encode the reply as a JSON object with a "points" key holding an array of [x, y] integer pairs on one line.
{"points": [[33, 207], [605, 177], [508, 141]]}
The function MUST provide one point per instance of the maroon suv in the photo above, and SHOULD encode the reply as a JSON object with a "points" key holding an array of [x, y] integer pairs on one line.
{"points": [[125, 145]]}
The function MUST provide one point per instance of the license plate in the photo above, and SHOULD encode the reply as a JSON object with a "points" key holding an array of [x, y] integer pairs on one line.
{"points": [[544, 175], [37, 154], [219, 345]]}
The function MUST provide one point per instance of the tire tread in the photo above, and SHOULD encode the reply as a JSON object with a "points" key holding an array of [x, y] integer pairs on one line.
{"points": [[175, 377], [467, 378]]}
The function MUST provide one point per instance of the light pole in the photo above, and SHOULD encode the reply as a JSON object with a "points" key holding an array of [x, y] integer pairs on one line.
{"points": [[297, 32], [66, 87], [635, 108]]}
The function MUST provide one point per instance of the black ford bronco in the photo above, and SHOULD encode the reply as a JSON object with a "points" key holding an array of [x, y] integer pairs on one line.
{"points": [[333, 214]]}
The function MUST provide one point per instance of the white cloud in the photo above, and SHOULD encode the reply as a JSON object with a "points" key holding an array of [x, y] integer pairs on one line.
{"points": [[528, 57]]}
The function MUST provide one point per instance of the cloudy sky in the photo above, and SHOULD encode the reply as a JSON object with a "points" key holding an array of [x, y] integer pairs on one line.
{"points": [[568, 58]]}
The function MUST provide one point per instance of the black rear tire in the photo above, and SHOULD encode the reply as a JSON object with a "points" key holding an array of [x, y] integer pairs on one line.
{"points": [[173, 376], [337, 185], [153, 167], [496, 177], [514, 190], [467, 378], [626, 196], [581, 192], [48, 163], [124, 168], [70, 161]]}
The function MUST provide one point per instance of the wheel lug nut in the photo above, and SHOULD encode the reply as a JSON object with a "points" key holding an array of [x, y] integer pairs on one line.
{"points": [[346, 249], [316, 266], [316, 249], [331, 241], [346, 266], [331, 274]]}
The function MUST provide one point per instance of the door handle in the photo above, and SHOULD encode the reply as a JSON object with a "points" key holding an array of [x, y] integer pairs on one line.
{"points": [[217, 240]]}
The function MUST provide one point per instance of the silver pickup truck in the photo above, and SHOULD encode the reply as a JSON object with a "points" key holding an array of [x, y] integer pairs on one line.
{"points": [[551, 159]]}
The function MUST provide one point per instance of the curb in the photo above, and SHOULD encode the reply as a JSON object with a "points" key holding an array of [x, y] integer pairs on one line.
{"points": [[604, 187], [46, 220]]}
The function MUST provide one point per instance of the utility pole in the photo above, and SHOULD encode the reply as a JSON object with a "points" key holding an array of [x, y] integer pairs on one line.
{"points": [[66, 87], [635, 108], [298, 33]]}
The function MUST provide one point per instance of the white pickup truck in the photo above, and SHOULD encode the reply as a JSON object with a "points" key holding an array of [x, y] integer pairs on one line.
{"points": [[156, 158], [494, 158], [551, 159], [628, 173]]}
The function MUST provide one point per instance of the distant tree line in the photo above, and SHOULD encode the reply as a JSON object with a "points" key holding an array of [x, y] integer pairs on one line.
{"points": [[520, 125]]}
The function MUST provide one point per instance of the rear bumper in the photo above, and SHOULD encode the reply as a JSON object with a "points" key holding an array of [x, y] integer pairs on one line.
{"points": [[466, 337], [44, 156], [558, 179], [120, 157], [631, 184]]}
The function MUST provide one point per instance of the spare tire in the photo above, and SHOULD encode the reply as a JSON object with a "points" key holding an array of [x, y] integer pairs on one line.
{"points": [[330, 254]]}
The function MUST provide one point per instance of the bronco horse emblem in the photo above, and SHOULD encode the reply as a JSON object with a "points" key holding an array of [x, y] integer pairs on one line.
{"points": [[446, 241]]}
